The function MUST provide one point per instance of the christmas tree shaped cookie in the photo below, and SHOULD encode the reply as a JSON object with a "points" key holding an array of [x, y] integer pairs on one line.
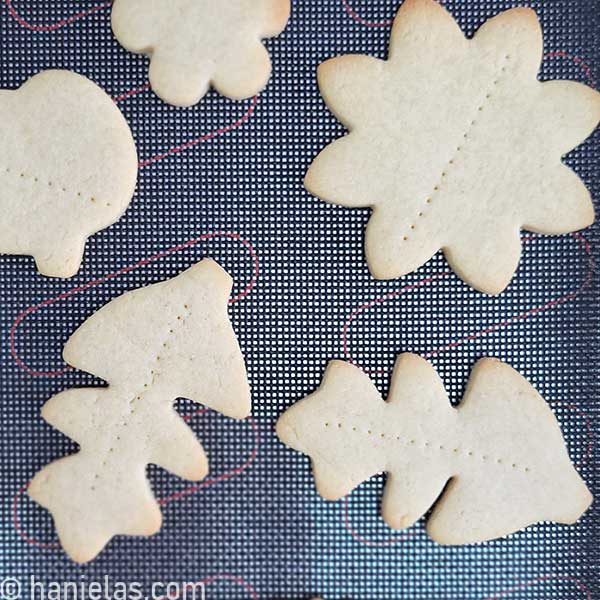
{"points": [[496, 464], [152, 346]]}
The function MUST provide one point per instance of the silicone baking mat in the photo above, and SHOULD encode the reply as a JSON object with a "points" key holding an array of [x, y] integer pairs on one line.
{"points": [[228, 175]]}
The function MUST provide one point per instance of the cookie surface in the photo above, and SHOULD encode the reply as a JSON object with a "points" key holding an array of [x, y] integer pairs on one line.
{"points": [[455, 144], [152, 345], [498, 463], [194, 44], [68, 168]]}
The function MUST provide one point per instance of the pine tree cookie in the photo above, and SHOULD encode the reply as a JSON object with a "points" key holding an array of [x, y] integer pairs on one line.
{"points": [[68, 168], [152, 345], [494, 465], [455, 144], [195, 44]]}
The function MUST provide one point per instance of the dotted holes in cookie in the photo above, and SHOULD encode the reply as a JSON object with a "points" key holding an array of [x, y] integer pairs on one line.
{"points": [[50, 184], [444, 174], [427, 444]]}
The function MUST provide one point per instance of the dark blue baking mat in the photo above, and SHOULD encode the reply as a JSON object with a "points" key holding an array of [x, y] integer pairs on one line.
{"points": [[266, 526]]}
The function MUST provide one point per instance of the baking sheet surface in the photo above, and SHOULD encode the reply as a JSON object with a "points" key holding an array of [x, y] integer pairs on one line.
{"points": [[265, 531]]}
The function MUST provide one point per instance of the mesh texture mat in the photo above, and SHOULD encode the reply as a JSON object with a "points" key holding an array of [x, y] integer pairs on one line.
{"points": [[313, 301]]}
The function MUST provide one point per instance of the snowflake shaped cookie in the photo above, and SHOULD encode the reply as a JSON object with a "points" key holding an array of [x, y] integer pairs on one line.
{"points": [[455, 144], [194, 44]]}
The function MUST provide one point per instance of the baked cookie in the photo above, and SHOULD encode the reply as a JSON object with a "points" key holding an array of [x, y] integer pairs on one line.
{"points": [[153, 345], [194, 44], [455, 144], [495, 465], [68, 168]]}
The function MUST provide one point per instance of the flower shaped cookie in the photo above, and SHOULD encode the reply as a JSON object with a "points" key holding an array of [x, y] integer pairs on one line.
{"points": [[455, 144], [197, 43]]}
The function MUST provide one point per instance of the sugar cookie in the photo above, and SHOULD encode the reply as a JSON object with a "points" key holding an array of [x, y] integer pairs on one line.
{"points": [[151, 345], [68, 167], [498, 463], [455, 144], [193, 44]]}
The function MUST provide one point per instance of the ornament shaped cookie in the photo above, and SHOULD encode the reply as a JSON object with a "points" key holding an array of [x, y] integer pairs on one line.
{"points": [[501, 453], [455, 144], [152, 345], [194, 44], [68, 168]]}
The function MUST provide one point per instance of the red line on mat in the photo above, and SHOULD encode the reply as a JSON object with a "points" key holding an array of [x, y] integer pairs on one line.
{"points": [[16, 524], [354, 15], [537, 581], [141, 263], [501, 324], [588, 425], [578, 61], [209, 136], [191, 143], [381, 300], [58, 24], [130, 93], [219, 478], [528, 313], [238, 470]]}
